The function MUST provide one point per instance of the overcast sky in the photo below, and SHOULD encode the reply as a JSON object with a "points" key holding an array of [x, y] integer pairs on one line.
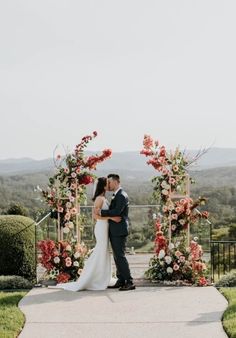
{"points": [[123, 68]]}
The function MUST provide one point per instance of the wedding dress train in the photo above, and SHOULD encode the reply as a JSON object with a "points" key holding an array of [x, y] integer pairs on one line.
{"points": [[97, 271]]}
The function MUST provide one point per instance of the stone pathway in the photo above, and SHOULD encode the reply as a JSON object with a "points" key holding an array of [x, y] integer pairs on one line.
{"points": [[160, 312]]}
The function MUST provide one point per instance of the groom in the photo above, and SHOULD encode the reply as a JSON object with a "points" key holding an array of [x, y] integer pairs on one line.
{"points": [[118, 232]]}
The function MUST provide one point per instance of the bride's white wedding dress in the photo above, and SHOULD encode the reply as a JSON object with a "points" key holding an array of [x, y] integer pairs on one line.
{"points": [[97, 272]]}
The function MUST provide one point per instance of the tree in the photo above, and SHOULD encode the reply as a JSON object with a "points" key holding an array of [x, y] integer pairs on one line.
{"points": [[17, 209]]}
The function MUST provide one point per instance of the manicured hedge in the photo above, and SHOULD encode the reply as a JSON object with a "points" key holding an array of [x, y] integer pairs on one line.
{"points": [[17, 246]]}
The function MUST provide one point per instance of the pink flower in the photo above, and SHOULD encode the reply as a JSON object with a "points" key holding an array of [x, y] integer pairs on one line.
{"points": [[72, 199], [178, 254], [173, 227], [164, 209], [178, 210], [73, 211], [67, 216], [164, 171], [73, 186], [172, 180], [60, 209], [175, 168], [66, 170], [174, 216], [182, 259], [68, 262], [176, 267], [148, 141], [73, 175]]}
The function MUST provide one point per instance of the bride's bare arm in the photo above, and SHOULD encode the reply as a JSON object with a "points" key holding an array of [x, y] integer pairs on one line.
{"points": [[97, 206]]}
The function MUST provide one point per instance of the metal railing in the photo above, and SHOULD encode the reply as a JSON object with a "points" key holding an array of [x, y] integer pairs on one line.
{"points": [[141, 229], [223, 258]]}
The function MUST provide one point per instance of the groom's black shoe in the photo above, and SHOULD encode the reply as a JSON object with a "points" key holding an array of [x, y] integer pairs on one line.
{"points": [[127, 287], [117, 285]]}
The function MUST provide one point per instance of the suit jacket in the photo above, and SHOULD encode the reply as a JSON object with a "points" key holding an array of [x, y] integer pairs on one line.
{"points": [[119, 207]]}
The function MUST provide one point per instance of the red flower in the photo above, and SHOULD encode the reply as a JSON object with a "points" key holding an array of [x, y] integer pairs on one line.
{"points": [[63, 277], [86, 179], [148, 142], [202, 281], [146, 152], [163, 151], [205, 214]]}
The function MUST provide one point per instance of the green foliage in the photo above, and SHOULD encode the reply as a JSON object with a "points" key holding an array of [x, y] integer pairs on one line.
{"points": [[228, 280], [17, 209], [232, 232], [229, 317], [220, 234], [11, 318], [14, 282], [17, 246]]}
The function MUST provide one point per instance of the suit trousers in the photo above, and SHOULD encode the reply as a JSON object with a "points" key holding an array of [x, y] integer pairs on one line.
{"points": [[118, 244]]}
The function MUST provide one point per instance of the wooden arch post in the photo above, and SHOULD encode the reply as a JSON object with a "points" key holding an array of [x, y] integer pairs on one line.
{"points": [[175, 196]]}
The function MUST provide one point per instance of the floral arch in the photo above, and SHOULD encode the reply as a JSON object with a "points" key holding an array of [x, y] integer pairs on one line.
{"points": [[177, 256]]}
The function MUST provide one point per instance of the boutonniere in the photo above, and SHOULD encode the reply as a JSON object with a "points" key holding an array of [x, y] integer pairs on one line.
{"points": [[113, 196]]}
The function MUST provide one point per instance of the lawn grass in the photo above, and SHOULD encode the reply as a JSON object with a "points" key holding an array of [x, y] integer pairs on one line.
{"points": [[229, 317], [11, 318]]}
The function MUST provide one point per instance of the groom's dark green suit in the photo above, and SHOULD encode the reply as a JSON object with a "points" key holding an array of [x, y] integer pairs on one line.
{"points": [[118, 233]]}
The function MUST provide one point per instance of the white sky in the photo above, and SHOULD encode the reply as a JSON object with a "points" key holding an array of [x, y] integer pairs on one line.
{"points": [[123, 68]]}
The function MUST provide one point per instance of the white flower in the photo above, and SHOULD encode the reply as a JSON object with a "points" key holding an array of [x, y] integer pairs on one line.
{"points": [[56, 260], [171, 246], [161, 254], [53, 273], [68, 248], [76, 263], [164, 184], [66, 230], [154, 216], [165, 192], [70, 225], [182, 221], [169, 270], [77, 254], [195, 239], [168, 259]]}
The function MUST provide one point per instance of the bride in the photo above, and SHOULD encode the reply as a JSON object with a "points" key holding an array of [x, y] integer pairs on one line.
{"points": [[97, 272]]}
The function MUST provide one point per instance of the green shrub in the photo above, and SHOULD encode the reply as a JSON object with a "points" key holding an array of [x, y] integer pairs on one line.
{"points": [[228, 280], [17, 209], [17, 246], [14, 282]]}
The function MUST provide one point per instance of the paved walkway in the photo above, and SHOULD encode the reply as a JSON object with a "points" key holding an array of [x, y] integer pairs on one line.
{"points": [[159, 312]]}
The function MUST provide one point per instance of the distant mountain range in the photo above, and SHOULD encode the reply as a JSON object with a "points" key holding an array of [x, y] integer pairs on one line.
{"points": [[123, 162]]}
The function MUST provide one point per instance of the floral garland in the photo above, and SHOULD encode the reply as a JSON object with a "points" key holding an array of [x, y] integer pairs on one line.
{"points": [[67, 188], [174, 260]]}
